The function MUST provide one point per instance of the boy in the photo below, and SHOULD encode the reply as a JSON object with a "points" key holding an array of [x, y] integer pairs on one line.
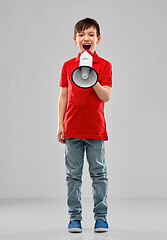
{"points": [[82, 127]]}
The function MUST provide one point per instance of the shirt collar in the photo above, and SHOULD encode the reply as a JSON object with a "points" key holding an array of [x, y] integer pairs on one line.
{"points": [[95, 57]]}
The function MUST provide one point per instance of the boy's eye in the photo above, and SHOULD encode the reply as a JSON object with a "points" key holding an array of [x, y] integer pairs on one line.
{"points": [[81, 35]]}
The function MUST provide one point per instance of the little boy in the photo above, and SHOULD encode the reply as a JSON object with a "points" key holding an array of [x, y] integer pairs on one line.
{"points": [[82, 127]]}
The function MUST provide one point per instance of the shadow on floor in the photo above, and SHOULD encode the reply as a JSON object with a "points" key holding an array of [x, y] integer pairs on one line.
{"points": [[87, 234]]}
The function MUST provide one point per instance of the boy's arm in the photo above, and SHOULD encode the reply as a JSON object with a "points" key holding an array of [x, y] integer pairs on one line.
{"points": [[61, 112], [103, 92]]}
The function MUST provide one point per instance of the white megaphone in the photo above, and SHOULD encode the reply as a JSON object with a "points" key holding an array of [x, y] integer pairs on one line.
{"points": [[85, 76]]}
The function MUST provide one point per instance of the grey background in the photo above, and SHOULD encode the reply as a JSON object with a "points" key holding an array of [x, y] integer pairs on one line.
{"points": [[35, 40]]}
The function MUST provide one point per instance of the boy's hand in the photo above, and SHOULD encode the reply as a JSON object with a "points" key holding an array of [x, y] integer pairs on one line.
{"points": [[60, 134]]}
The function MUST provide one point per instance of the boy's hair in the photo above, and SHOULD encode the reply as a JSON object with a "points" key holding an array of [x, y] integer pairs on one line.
{"points": [[85, 24]]}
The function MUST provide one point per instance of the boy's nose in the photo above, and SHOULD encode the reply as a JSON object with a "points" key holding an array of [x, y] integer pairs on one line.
{"points": [[86, 37]]}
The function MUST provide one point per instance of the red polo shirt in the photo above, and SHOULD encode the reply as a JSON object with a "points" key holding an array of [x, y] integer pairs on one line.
{"points": [[84, 116]]}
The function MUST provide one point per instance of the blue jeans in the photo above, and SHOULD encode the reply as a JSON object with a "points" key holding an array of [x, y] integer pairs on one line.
{"points": [[74, 159]]}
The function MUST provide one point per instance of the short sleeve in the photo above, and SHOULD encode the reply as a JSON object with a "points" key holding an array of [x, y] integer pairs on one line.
{"points": [[107, 75], [63, 78]]}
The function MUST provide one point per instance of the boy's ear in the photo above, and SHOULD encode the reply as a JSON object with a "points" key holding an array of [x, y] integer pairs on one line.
{"points": [[98, 40], [74, 39]]}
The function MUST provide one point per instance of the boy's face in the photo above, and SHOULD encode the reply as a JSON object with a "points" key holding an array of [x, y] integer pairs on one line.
{"points": [[87, 39]]}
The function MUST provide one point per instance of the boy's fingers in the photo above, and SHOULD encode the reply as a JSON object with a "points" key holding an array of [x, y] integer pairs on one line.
{"points": [[60, 137], [61, 141]]}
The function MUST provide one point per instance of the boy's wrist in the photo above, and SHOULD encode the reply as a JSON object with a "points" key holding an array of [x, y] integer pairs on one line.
{"points": [[60, 123], [96, 85]]}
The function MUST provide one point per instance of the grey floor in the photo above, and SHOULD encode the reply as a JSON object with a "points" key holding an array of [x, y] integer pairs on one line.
{"points": [[47, 219]]}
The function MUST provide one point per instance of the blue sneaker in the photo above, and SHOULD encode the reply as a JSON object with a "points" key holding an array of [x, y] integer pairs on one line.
{"points": [[101, 225], [75, 226]]}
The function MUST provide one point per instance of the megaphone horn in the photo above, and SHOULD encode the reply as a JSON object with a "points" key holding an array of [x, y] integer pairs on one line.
{"points": [[85, 76]]}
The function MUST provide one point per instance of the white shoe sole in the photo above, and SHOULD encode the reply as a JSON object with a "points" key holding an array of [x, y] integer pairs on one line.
{"points": [[75, 230], [101, 229]]}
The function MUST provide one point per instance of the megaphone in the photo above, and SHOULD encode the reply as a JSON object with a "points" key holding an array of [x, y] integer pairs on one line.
{"points": [[85, 76]]}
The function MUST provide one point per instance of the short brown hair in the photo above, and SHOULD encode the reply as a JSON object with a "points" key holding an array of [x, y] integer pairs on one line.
{"points": [[85, 24]]}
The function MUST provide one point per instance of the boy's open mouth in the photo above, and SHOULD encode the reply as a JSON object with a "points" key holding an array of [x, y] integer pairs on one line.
{"points": [[86, 46]]}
